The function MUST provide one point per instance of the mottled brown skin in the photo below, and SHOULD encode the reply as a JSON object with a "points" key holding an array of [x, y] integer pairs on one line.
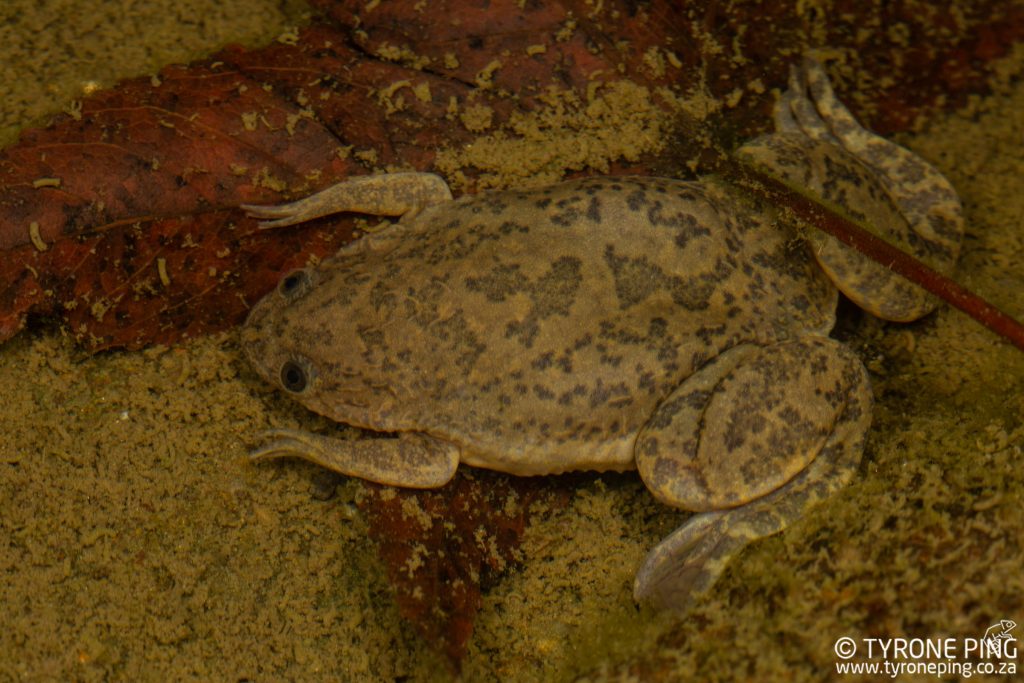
{"points": [[608, 323]]}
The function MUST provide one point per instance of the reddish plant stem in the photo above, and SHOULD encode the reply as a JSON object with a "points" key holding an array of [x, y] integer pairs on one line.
{"points": [[873, 247]]}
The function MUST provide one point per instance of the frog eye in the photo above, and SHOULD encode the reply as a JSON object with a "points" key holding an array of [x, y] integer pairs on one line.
{"points": [[294, 284], [294, 377]]}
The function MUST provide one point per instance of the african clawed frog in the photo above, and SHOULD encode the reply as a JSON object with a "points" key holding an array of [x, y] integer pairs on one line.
{"points": [[610, 323]]}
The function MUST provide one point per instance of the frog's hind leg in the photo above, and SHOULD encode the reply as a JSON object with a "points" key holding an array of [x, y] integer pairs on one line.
{"points": [[750, 441], [411, 460], [924, 196], [389, 194]]}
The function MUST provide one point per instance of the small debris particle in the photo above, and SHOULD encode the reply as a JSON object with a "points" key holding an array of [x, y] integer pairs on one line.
{"points": [[290, 36], [36, 237], [161, 269], [250, 119], [485, 79]]}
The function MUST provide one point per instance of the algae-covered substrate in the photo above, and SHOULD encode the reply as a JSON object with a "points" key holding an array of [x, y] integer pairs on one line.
{"points": [[138, 543]]}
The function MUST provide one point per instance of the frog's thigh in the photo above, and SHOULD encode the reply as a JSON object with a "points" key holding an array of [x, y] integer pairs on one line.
{"points": [[389, 194], [412, 460], [750, 441]]}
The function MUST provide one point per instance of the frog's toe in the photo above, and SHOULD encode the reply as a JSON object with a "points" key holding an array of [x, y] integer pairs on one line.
{"points": [[684, 564], [795, 112], [810, 107], [782, 112], [826, 112]]}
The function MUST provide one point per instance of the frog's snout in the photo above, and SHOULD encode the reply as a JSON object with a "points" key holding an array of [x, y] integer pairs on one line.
{"points": [[252, 343], [248, 336], [252, 336]]}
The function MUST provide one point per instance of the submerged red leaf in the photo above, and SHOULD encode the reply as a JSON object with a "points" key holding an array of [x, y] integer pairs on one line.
{"points": [[122, 220], [441, 548], [134, 198]]}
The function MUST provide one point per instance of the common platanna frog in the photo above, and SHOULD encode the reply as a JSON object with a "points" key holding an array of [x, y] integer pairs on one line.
{"points": [[679, 328]]}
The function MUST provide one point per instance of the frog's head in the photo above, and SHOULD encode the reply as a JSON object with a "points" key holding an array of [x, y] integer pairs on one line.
{"points": [[290, 340], [270, 331], [821, 151]]}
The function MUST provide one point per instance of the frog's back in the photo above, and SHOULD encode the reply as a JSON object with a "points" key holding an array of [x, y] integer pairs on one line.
{"points": [[517, 323]]}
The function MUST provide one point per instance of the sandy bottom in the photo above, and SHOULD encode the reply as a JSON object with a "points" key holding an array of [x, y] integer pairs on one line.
{"points": [[137, 542]]}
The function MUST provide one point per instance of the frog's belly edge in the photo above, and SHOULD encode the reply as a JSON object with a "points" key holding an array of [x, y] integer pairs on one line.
{"points": [[554, 458]]}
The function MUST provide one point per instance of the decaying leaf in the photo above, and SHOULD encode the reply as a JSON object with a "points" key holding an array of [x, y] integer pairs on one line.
{"points": [[442, 547], [120, 219]]}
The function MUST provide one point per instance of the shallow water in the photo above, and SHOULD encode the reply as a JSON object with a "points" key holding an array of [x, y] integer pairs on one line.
{"points": [[142, 545]]}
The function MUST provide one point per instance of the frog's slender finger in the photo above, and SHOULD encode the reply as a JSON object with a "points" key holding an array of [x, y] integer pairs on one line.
{"points": [[391, 194], [284, 214], [411, 460]]}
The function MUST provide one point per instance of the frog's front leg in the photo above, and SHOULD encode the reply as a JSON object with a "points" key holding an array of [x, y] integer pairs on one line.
{"points": [[390, 194], [412, 460], [749, 441]]}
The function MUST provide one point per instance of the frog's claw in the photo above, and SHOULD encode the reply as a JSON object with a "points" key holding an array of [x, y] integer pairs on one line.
{"points": [[391, 194], [727, 442], [412, 460]]}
